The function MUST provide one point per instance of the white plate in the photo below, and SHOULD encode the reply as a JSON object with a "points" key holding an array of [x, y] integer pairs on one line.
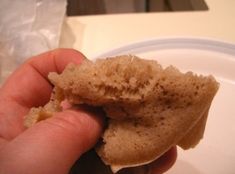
{"points": [[216, 152]]}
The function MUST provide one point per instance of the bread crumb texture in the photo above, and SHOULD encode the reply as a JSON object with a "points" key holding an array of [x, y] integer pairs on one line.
{"points": [[150, 108]]}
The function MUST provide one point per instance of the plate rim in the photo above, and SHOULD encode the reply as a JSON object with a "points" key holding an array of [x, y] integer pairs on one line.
{"points": [[201, 43]]}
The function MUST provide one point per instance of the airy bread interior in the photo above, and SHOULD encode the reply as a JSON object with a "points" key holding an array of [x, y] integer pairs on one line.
{"points": [[150, 108]]}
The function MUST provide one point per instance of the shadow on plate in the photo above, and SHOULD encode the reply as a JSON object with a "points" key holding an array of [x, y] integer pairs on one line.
{"points": [[183, 167]]}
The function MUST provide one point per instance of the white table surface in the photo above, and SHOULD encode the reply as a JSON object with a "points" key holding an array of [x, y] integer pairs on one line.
{"points": [[95, 34]]}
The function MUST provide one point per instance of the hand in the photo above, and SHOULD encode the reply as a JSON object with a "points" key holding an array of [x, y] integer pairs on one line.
{"points": [[53, 145]]}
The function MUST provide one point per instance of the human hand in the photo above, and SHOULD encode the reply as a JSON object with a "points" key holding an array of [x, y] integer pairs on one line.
{"points": [[52, 145]]}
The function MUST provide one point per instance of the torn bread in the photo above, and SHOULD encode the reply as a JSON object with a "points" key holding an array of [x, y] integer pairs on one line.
{"points": [[150, 108]]}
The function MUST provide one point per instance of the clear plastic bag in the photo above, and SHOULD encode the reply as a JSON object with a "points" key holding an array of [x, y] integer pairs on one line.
{"points": [[27, 28]]}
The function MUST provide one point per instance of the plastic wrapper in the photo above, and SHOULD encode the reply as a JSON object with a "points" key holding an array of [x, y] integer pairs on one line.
{"points": [[27, 28]]}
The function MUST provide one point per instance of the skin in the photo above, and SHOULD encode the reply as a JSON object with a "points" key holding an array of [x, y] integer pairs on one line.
{"points": [[52, 145]]}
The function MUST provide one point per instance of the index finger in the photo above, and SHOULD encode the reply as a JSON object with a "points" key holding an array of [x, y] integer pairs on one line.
{"points": [[29, 86]]}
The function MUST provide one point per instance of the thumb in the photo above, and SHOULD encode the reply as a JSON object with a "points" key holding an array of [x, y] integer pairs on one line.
{"points": [[52, 145]]}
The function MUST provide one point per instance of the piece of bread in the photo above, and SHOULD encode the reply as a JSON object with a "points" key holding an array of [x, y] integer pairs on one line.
{"points": [[150, 108]]}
